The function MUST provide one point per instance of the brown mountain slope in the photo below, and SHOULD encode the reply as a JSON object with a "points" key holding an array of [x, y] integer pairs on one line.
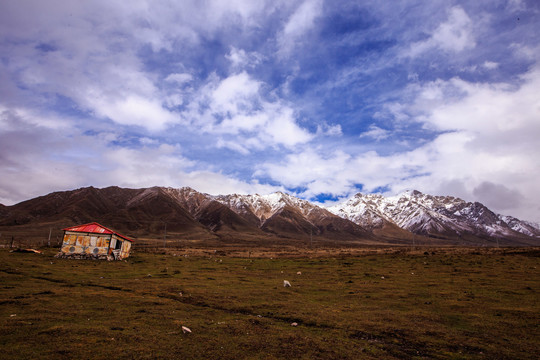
{"points": [[218, 217], [180, 213], [211, 213], [134, 211], [288, 216], [335, 227], [289, 222], [185, 214], [3, 210]]}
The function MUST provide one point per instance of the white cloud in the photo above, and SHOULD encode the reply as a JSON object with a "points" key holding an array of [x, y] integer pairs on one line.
{"points": [[516, 5], [329, 130], [96, 61], [83, 160], [376, 133], [165, 166], [13, 118], [301, 21], [494, 131], [488, 109], [217, 184], [232, 145], [36, 160], [214, 12], [240, 59], [282, 128], [99, 73], [135, 110], [235, 106], [487, 150], [146, 166], [179, 78], [103, 60], [490, 65], [235, 94], [455, 35], [393, 111], [491, 134], [312, 168], [244, 123]]}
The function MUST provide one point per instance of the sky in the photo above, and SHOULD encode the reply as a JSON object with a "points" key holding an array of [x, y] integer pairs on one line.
{"points": [[320, 99]]}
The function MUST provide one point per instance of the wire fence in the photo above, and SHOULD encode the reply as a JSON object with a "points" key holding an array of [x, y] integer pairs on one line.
{"points": [[54, 239]]}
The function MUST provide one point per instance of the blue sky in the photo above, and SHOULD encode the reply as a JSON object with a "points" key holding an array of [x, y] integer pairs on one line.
{"points": [[317, 98]]}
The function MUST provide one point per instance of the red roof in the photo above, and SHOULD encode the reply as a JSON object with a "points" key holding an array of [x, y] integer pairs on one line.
{"points": [[95, 228]]}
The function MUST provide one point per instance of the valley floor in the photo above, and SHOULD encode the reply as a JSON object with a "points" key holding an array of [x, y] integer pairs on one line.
{"points": [[374, 303]]}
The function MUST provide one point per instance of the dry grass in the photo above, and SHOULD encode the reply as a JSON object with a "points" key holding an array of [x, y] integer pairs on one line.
{"points": [[355, 303]]}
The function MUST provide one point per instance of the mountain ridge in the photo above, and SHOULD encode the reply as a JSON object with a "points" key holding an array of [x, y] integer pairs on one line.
{"points": [[429, 215], [364, 218]]}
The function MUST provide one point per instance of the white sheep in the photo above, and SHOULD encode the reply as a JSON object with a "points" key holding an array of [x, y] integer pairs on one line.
{"points": [[186, 330], [286, 283]]}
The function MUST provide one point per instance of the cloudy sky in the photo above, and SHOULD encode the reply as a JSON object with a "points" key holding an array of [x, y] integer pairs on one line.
{"points": [[322, 99]]}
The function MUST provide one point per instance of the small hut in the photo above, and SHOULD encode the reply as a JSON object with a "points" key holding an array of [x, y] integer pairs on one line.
{"points": [[94, 241]]}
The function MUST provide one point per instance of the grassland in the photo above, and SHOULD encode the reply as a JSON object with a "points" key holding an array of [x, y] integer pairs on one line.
{"points": [[436, 304]]}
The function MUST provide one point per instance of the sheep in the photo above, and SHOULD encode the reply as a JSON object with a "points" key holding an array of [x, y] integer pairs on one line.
{"points": [[286, 283], [186, 330]]}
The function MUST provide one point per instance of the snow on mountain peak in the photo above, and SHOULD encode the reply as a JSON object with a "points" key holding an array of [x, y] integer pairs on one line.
{"points": [[264, 206], [426, 214], [411, 210]]}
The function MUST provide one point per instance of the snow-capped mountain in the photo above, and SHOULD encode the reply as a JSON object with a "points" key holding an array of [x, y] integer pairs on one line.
{"points": [[431, 215], [525, 227], [265, 206], [281, 212], [363, 219], [278, 213]]}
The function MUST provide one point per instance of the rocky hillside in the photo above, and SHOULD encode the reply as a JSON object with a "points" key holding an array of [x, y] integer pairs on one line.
{"points": [[429, 215], [187, 213], [282, 213]]}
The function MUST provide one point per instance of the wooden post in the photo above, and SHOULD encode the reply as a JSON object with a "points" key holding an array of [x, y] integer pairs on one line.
{"points": [[12, 239], [49, 241], [165, 237]]}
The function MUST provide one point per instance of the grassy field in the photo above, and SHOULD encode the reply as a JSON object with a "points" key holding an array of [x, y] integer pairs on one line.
{"points": [[436, 304]]}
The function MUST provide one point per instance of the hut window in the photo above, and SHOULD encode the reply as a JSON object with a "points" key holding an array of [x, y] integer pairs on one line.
{"points": [[80, 241], [70, 239], [102, 242]]}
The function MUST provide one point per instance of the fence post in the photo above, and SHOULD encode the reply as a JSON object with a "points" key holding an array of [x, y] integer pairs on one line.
{"points": [[165, 236]]}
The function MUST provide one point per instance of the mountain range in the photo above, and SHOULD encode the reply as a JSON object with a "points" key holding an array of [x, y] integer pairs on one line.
{"points": [[186, 214], [439, 216]]}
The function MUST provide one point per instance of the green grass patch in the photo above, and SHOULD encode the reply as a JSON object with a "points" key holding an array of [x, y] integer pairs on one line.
{"points": [[458, 305]]}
